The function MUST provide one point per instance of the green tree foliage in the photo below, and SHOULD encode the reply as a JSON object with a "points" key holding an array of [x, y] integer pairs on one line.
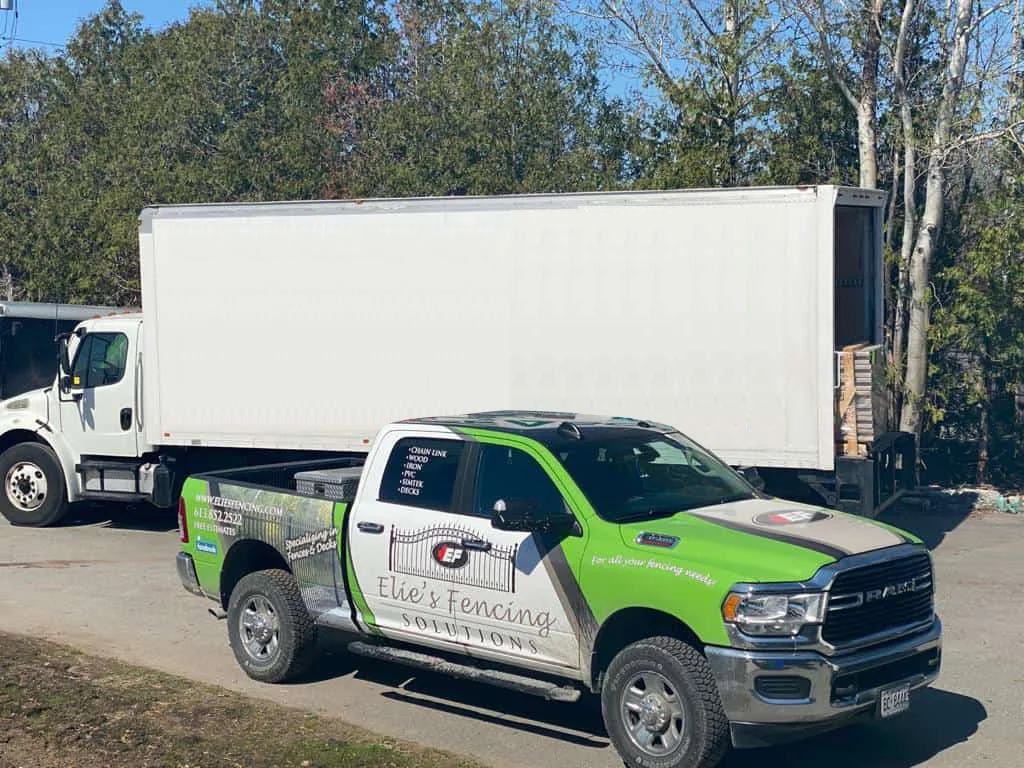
{"points": [[480, 99], [977, 360], [250, 100], [811, 133]]}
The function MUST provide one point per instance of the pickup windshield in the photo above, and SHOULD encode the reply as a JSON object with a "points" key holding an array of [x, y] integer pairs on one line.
{"points": [[640, 477]]}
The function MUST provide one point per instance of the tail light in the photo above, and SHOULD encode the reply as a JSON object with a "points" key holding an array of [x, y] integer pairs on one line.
{"points": [[182, 522]]}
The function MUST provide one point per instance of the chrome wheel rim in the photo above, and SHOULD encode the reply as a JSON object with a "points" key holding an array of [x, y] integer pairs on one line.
{"points": [[652, 714], [259, 629], [26, 486]]}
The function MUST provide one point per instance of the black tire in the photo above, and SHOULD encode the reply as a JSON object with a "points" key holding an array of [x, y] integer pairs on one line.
{"points": [[699, 730], [287, 655], [35, 470]]}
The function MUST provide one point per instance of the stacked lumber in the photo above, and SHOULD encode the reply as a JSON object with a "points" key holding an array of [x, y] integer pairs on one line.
{"points": [[862, 412]]}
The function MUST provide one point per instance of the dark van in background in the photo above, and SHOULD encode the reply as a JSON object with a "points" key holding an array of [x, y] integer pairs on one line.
{"points": [[28, 350]]}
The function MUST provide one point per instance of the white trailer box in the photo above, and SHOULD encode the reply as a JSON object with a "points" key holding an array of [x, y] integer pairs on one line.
{"points": [[311, 325]]}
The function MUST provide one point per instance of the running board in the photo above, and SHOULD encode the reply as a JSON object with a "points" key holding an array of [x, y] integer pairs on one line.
{"points": [[511, 681]]}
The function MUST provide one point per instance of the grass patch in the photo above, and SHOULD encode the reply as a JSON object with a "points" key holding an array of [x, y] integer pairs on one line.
{"points": [[60, 708]]}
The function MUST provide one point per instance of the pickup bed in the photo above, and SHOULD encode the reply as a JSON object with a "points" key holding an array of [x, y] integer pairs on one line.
{"points": [[561, 555]]}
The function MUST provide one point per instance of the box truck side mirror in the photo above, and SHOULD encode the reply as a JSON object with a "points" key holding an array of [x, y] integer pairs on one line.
{"points": [[67, 381]]}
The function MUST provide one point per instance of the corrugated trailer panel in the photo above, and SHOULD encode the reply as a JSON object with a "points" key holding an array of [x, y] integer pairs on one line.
{"points": [[311, 325]]}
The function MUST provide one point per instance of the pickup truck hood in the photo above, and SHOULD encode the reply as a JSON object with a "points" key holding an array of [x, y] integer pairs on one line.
{"points": [[760, 539]]}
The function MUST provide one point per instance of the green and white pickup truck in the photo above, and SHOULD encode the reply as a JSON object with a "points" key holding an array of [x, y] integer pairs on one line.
{"points": [[556, 554]]}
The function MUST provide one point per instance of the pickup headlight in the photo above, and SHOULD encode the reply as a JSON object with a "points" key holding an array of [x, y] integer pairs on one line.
{"points": [[777, 615]]}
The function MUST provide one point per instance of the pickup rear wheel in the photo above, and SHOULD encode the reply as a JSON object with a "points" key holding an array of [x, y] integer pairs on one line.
{"points": [[34, 492], [661, 706], [271, 632]]}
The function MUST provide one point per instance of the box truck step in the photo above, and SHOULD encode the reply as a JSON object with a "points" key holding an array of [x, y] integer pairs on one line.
{"points": [[110, 479], [521, 683]]}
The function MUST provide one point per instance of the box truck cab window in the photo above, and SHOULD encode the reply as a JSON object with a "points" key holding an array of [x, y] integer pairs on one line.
{"points": [[100, 360], [639, 477]]}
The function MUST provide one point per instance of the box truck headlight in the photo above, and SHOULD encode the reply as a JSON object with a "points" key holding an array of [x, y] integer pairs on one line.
{"points": [[773, 615]]}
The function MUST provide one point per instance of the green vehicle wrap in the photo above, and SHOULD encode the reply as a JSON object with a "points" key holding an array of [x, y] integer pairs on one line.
{"points": [[683, 566], [591, 550]]}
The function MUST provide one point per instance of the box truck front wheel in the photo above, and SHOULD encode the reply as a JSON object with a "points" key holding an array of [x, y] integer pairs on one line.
{"points": [[34, 492], [661, 706]]}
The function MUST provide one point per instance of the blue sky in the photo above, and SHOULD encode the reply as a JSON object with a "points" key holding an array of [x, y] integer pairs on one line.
{"points": [[49, 23], [54, 21]]}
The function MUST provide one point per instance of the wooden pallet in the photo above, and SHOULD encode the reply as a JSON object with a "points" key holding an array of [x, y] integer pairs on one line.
{"points": [[861, 407]]}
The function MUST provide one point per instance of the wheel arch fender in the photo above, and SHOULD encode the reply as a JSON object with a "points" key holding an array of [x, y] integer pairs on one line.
{"points": [[12, 435], [629, 625], [247, 556]]}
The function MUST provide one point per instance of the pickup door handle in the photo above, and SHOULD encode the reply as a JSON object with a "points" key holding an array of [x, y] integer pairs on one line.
{"points": [[478, 545], [366, 527]]}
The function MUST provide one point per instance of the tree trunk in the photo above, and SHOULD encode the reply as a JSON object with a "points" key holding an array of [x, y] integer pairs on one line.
{"points": [[7, 281], [867, 142], [732, 80], [984, 430], [909, 219], [1017, 80], [931, 222], [899, 324]]}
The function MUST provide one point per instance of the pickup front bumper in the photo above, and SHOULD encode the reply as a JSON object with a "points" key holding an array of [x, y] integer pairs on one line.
{"points": [[772, 697]]}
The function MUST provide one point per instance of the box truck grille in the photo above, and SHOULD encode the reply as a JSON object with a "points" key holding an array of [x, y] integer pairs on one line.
{"points": [[876, 598]]}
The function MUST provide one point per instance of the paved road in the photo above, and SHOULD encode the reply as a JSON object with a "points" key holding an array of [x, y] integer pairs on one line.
{"points": [[107, 585]]}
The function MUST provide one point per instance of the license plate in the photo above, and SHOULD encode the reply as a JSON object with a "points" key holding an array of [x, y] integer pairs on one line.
{"points": [[893, 701]]}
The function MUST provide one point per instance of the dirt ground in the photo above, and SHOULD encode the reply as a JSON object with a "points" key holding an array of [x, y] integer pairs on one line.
{"points": [[60, 708]]}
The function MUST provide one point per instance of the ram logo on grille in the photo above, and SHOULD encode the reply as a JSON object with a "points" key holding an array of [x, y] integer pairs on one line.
{"points": [[877, 598], [891, 590]]}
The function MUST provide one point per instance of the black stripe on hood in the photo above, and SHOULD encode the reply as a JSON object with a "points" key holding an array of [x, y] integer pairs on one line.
{"points": [[826, 549]]}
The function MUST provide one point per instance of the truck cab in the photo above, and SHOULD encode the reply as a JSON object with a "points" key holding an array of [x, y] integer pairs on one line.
{"points": [[559, 554], [81, 437]]}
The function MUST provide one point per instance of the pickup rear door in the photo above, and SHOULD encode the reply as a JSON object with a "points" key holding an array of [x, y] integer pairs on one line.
{"points": [[431, 569]]}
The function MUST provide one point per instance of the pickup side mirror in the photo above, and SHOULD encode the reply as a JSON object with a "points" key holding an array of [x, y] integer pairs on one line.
{"points": [[524, 515]]}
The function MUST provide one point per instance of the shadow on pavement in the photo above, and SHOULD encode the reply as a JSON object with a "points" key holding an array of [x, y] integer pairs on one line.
{"points": [[134, 517], [578, 724], [930, 514], [937, 720]]}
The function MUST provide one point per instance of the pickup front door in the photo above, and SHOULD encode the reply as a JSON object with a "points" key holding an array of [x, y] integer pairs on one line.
{"points": [[433, 570], [102, 421]]}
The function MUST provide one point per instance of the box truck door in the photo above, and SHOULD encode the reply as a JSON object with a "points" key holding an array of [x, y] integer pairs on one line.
{"points": [[99, 420]]}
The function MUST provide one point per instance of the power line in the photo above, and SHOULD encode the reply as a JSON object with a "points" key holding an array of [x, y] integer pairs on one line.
{"points": [[37, 42], [10, 32]]}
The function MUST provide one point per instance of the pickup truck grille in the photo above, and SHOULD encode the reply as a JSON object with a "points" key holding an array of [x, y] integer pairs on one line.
{"points": [[880, 597]]}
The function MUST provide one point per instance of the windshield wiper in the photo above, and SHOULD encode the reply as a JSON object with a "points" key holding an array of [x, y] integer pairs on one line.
{"points": [[740, 496], [650, 514]]}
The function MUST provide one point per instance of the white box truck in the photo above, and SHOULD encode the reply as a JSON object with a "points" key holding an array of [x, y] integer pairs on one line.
{"points": [[286, 327]]}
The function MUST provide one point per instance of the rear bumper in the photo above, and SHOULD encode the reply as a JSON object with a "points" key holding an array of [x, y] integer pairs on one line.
{"points": [[187, 573], [832, 691]]}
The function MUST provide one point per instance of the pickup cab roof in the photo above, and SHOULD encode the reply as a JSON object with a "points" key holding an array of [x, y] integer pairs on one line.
{"points": [[547, 427]]}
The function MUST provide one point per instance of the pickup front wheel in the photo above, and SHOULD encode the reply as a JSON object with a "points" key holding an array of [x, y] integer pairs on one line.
{"points": [[661, 706], [271, 633]]}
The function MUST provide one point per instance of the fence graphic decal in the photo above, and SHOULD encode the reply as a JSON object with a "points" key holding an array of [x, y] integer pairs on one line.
{"points": [[415, 553]]}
